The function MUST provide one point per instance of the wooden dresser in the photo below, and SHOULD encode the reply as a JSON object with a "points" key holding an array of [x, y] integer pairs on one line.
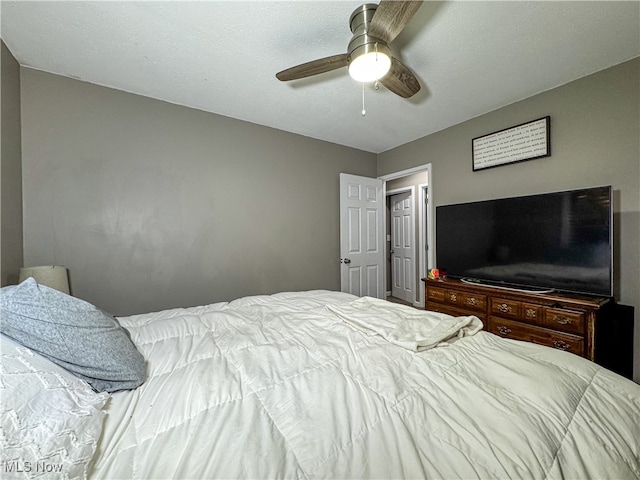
{"points": [[563, 321]]}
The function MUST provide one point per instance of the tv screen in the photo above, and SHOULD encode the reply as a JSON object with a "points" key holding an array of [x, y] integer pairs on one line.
{"points": [[555, 241]]}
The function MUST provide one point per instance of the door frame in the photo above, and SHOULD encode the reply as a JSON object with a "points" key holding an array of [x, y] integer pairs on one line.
{"points": [[427, 261]]}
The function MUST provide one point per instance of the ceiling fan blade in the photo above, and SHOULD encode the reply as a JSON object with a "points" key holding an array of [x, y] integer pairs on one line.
{"points": [[391, 17], [314, 67], [400, 80]]}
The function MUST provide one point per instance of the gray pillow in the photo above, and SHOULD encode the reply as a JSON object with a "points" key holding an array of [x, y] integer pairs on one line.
{"points": [[72, 333]]}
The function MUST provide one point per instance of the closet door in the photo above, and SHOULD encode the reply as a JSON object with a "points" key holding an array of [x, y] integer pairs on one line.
{"points": [[402, 239]]}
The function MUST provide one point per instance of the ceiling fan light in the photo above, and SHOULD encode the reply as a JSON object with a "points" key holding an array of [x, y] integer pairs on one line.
{"points": [[369, 67]]}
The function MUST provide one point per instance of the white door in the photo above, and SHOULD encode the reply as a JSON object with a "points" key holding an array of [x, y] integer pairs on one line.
{"points": [[361, 236], [402, 240]]}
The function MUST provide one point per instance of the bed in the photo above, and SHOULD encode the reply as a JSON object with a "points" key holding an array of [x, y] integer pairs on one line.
{"points": [[322, 384]]}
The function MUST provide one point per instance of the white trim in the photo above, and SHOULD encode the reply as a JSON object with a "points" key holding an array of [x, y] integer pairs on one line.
{"points": [[406, 173], [426, 231], [396, 191]]}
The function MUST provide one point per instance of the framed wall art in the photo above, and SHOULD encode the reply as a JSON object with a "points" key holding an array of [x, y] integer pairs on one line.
{"points": [[515, 144]]}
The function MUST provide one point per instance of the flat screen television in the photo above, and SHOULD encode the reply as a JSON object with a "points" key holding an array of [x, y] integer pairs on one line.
{"points": [[560, 241]]}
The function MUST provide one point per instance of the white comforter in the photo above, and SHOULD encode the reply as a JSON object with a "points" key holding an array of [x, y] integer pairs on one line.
{"points": [[281, 387]]}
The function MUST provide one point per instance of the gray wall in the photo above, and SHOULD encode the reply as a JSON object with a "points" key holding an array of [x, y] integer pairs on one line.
{"points": [[595, 140], [151, 205], [10, 171]]}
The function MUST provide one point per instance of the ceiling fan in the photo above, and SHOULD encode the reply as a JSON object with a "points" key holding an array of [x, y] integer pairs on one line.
{"points": [[368, 54]]}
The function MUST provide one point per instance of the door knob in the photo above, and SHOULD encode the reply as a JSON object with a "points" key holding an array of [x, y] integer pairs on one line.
{"points": [[347, 261]]}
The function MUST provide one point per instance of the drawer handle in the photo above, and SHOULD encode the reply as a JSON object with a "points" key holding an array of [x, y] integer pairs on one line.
{"points": [[472, 301], [504, 330], [561, 319], [560, 345], [453, 297], [530, 313], [504, 308]]}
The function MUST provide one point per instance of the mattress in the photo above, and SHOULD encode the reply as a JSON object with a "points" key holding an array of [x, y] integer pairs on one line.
{"points": [[282, 386]]}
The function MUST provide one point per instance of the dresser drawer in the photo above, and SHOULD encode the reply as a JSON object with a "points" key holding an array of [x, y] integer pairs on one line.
{"points": [[435, 294], [542, 336], [565, 320], [466, 300], [455, 312], [527, 312], [532, 313], [505, 308]]}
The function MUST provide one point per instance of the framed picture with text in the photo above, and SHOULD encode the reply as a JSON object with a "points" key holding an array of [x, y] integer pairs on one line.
{"points": [[515, 144]]}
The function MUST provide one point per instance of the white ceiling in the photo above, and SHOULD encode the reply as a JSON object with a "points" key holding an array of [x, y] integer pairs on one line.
{"points": [[222, 57]]}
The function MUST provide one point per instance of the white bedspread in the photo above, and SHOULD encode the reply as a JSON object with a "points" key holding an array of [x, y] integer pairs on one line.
{"points": [[281, 387], [407, 327]]}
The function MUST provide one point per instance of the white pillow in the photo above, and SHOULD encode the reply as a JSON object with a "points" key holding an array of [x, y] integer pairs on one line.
{"points": [[51, 419]]}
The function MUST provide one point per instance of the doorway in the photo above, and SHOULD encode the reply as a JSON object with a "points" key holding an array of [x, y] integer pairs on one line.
{"points": [[418, 183]]}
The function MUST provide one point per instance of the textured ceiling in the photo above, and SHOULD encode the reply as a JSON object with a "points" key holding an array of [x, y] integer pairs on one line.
{"points": [[221, 57]]}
